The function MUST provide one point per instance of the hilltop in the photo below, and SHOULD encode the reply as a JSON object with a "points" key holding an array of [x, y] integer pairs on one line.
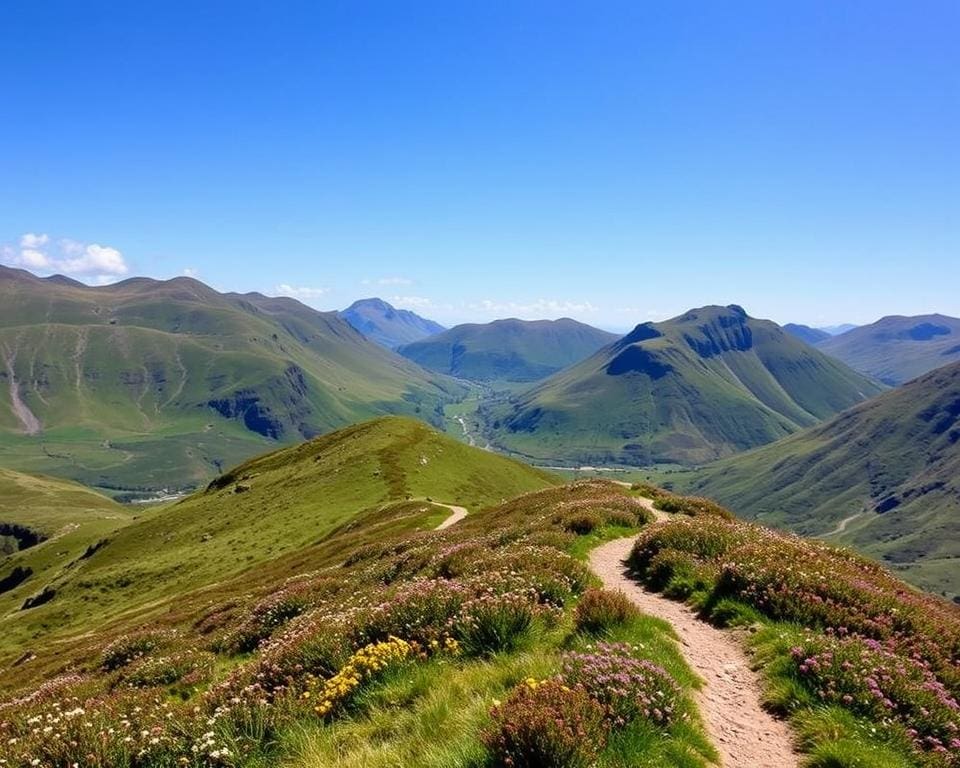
{"points": [[896, 349], [883, 477], [703, 385], [150, 384], [262, 510], [390, 327], [508, 350], [805, 333]]}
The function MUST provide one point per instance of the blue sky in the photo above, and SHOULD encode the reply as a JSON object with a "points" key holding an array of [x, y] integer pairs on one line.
{"points": [[612, 161]]}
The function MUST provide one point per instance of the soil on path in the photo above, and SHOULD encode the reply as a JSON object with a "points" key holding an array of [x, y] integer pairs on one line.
{"points": [[458, 514], [742, 731]]}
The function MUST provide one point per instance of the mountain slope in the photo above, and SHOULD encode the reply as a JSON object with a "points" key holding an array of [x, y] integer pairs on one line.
{"points": [[896, 349], [700, 386], [508, 350], [805, 333], [267, 508], [890, 468], [149, 384], [388, 326]]}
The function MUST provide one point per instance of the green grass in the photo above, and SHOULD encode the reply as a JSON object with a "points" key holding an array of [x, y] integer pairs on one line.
{"points": [[695, 388], [900, 448], [151, 385], [433, 715], [287, 501], [507, 351]]}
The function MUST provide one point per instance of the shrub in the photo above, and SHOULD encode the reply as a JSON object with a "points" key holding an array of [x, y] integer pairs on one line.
{"points": [[628, 688], [420, 610], [128, 648], [493, 623], [189, 666], [581, 523], [547, 725], [600, 610], [369, 662]]}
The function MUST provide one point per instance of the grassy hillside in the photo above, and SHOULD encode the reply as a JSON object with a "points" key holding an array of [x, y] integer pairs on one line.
{"points": [[508, 350], [390, 327], [45, 525], [709, 383], [883, 477], [896, 349], [148, 384], [269, 507], [386, 644]]}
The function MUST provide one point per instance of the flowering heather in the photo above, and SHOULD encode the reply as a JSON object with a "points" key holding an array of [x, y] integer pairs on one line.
{"points": [[863, 675], [628, 687], [547, 725], [881, 649]]}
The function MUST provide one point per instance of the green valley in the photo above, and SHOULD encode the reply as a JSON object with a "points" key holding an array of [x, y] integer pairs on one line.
{"points": [[146, 385]]}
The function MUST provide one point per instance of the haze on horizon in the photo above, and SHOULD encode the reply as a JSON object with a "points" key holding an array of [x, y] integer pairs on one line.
{"points": [[613, 164]]}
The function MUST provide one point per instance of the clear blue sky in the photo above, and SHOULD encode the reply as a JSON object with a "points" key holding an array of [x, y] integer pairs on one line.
{"points": [[612, 161]]}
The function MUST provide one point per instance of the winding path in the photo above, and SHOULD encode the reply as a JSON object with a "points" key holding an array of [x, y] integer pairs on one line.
{"points": [[843, 524], [743, 732], [458, 514]]}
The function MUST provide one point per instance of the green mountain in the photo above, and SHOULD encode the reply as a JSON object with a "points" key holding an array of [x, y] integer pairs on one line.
{"points": [[883, 477], [148, 384], [896, 349], [265, 509], [704, 385], [508, 350], [388, 326], [812, 336]]}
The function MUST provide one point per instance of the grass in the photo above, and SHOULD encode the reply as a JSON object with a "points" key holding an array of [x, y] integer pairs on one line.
{"points": [[287, 501], [813, 480], [146, 385], [689, 390]]}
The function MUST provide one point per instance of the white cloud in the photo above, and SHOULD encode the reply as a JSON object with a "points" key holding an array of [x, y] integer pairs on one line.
{"points": [[69, 257], [540, 308], [31, 241], [304, 293], [414, 302], [388, 281], [191, 272]]}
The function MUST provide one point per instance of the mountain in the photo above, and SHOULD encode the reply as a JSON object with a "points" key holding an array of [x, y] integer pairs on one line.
{"points": [[150, 384], [268, 508], [896, 349], [836, 330], [805, 333], [709, 383], [508, 350], [883, 477], [388, 326]]}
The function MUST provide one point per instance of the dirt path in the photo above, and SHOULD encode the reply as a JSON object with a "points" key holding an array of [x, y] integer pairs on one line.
{"points": [[458, 514], [745, 735], [843, 524]]}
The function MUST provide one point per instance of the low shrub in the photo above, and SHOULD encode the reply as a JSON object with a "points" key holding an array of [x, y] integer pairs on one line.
{"points": [[628, 688], [600, 610], [493, 623], [547, 725], [189, 666], [129, 648]]}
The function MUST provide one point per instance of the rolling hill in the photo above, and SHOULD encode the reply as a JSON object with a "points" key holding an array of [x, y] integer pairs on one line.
{"points": [[704, 385], [896, 349], [262, 510], [388, 326], [805, 333], [883, 477], [148, 384], [508, 350]]}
